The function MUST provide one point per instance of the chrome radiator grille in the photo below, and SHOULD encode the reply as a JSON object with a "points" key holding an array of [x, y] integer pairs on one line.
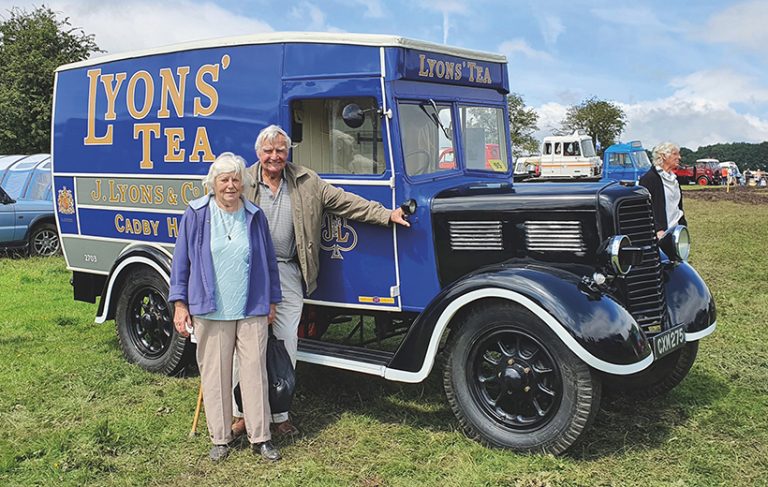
{"points": [[476, 235], [644, 289], [559, 236]]}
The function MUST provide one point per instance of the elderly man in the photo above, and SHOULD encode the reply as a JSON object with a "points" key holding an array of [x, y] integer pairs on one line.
{"points": [[293, 199]]}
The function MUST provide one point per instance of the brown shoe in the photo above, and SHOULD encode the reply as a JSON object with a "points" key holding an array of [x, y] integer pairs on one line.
{"points": [[238, 428], [286, 428]]}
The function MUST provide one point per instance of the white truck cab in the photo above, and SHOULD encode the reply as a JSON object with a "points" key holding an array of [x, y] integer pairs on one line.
{"points": [[566, 156]]}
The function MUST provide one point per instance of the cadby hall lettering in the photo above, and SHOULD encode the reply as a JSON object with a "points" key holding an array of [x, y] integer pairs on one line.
{"points": [[139, 91]]}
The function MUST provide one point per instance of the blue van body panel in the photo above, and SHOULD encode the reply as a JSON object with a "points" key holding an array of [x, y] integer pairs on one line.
{"points": [[131, 119]]}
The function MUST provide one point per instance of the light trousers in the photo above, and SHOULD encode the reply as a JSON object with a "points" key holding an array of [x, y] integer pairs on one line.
{"points": [[217, 342]]}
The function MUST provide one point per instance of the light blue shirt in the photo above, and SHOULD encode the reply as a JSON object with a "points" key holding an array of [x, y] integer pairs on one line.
{"points": [[230, 250]]}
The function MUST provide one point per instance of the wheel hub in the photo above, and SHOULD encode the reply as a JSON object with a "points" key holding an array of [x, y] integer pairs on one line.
{"points": [[151, 330], [515, 379]]}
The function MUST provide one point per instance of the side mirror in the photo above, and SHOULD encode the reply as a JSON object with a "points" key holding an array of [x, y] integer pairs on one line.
{"points": [[5, 198], [353, 115]]}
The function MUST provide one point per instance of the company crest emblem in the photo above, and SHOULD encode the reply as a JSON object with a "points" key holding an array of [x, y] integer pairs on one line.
{"points": [[337, 236], [65, 201]]}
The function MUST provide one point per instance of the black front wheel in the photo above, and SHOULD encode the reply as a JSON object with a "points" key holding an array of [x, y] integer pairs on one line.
{"points": [[513, 384], [144, 324]]}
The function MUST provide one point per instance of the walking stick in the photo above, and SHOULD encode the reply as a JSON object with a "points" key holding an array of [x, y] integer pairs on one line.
{"points": [[193, 432]]}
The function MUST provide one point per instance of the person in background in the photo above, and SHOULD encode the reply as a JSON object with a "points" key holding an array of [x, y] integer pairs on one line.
{"points": [[223, 242], [661, 182], [294, 199]]}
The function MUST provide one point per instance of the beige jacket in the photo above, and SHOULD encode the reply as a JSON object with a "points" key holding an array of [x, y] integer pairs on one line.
{"points": [[310, 196]]}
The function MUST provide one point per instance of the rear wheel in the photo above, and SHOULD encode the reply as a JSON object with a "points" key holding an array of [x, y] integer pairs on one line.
{"points": [[658, 379], [513, 384], [44, 240], [144, 324]]}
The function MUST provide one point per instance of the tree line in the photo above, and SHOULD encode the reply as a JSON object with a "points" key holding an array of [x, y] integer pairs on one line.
{"points": [[744, 154], [34, 43]]}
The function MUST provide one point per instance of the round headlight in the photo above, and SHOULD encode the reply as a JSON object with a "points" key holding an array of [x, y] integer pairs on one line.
{"points": [[619, 263], [682, 240]]}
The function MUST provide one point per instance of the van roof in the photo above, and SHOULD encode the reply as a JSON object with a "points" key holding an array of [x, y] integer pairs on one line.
{"points": [[374, 40]]}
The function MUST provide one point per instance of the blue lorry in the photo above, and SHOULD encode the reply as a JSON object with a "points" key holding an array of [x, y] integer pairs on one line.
{"points": [[537, 295], [625, 162]]}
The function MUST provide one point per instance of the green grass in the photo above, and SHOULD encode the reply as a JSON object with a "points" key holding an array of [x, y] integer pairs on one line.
{"points": [[73, 412]]}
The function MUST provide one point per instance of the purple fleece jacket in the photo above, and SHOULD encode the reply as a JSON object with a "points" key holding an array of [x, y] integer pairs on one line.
{"points": [[192, 275]]}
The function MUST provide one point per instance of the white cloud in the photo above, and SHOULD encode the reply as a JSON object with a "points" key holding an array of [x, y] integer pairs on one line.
{"points": [[550, 116], [141, 24], [373, 8], [700, 112], [317, 18], [743, 24], [551, 27], [691, 123], [722, 86], [446, 8], [641, 17], [520, 46]]}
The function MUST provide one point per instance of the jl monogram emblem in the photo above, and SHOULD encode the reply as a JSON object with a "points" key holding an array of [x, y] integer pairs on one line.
{"points": [[337, 236]]}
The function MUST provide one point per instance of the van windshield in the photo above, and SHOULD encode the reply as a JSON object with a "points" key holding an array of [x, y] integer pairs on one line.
{"points": [[587, 148], [427, 147], [641, 159], [483, 137]]}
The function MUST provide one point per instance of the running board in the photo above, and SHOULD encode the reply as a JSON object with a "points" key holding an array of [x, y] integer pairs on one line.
{"points": [[358, 359]]}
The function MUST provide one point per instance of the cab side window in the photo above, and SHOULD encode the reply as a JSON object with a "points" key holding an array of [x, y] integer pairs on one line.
{"points": [[547, 148], [617, 160], [327, 145]]}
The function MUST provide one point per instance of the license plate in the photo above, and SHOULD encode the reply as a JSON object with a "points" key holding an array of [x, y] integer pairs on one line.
{"points": [[668, 341]]}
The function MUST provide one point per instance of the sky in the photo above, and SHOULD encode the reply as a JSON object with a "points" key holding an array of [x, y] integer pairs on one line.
{"points": [[693, 72]]}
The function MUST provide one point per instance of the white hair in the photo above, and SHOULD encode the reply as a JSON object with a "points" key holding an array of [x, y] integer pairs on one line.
{"points": [[227, 162], [665, 149], [269, 134]]}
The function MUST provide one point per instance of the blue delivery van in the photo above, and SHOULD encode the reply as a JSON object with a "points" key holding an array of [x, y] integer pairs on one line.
{"points": [[537, 295]]}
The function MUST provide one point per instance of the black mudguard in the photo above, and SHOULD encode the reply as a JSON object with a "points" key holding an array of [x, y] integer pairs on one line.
{"points": [[689, 300], [147, 251], [589, 323]]}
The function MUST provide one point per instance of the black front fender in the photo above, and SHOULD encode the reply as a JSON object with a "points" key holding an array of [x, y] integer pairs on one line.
{"points": [[689, 300], [595, 327]]}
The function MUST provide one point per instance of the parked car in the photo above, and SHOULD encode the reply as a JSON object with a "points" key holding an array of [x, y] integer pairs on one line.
{"points": [[26, 205]]}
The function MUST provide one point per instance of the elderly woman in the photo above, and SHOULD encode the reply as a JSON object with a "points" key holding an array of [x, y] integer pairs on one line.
{"points": [[661, 182], [224, 242]]}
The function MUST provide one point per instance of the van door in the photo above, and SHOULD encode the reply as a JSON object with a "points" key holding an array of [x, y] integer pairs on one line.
{"points": [[358, 264]]}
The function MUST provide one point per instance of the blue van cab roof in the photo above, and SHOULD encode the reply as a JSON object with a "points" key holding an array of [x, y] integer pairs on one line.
{"points": [[374, 40]]}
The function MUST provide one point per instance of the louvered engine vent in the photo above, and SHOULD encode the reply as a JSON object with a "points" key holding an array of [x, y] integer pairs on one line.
{"points": [[477, 235], [555, 236]]}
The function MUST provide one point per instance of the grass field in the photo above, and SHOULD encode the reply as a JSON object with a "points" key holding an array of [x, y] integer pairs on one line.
{"points": [[73, 412]]}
